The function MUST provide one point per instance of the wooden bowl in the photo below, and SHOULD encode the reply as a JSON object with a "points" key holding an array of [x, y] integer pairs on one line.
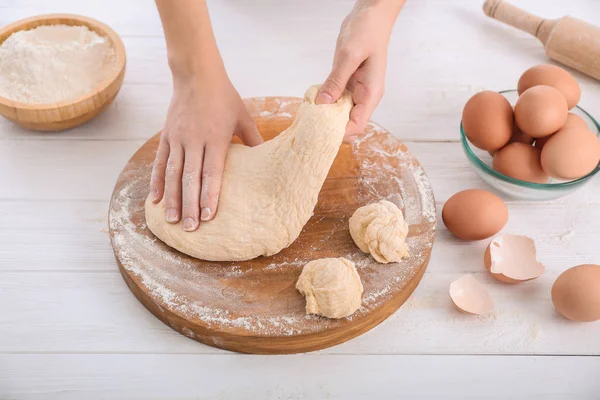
{"points": [[74, 112]]}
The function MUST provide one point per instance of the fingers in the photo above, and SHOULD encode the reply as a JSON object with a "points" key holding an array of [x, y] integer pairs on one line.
{"points": [[173, 176], [191, 188], [345, 63], [212, 174], [248, 131], [157, 179], [366, 97]]}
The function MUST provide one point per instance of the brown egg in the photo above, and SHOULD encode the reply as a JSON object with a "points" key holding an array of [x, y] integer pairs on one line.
{"points": [[541, 111], [520, 161], [488, 120], [554, 76], [571, 153], [474, 214], [575, 120], [572, 120], [576, 293]]}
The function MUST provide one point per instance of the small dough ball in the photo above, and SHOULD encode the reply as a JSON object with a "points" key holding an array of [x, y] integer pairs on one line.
{"points": [[487, 120], [331, 286], [541, 111], [520, 161], [554, 76], [571, 153], [379, 229]]}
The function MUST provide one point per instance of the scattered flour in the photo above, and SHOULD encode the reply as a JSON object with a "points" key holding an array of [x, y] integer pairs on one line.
{"points": [[220, 295]]}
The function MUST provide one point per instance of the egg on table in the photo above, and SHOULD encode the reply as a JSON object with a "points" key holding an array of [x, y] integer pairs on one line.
{"points": [[576, 293], [474, 214]]}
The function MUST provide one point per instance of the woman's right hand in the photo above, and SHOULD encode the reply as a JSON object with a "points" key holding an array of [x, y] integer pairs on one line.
{"points": [[187, 171]]}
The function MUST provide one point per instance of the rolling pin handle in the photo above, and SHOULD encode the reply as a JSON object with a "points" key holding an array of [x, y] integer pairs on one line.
{"points": [[513, 16]]}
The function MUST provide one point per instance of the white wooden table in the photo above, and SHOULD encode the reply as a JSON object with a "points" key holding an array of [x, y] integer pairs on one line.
{"points": [[70, 328]]}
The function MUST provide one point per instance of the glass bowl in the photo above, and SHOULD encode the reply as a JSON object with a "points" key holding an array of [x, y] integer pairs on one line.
{"points": [[481, 161]]}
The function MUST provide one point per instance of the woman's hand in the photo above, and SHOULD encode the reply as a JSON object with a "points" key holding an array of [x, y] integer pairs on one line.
{"points": [[360, 60], [187, 172]]}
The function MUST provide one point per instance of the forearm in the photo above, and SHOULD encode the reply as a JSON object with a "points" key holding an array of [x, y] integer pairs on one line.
{"points": [[191, 44], [387, 10]]}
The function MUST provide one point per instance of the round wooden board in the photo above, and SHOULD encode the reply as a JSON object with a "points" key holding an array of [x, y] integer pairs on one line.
{"points": [[253, 306]]}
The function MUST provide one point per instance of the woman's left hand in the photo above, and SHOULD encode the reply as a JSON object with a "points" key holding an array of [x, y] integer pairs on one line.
{"points": [[359, 64]]}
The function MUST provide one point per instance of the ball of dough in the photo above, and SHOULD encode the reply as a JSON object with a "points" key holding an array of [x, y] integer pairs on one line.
{"points": [[331, 286], [380, 229]]}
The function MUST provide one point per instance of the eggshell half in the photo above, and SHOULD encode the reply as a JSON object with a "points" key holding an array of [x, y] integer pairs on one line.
{"points": [[576, 293], [470, 296], [512, 259], [541, 111], [474, 214], [554, 76]]}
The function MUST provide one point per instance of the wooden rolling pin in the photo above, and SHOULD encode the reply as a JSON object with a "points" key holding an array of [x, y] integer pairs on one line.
{"points": [[568, 40]]}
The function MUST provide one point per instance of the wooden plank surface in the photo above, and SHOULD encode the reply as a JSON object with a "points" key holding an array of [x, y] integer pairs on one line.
{"points": [[150, 376], [71, 329]]}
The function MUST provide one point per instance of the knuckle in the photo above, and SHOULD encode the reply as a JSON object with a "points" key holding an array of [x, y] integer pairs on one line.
{"points": [[190, 178], [209, 173], [171, 170], [349, 54], [159, 164]]}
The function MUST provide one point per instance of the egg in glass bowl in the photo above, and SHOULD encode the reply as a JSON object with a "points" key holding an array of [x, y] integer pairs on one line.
{"points": [[482, 161]]}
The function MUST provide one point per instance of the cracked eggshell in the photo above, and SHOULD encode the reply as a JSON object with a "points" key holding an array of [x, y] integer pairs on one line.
{"points": [[512, 259], [470, 296]]}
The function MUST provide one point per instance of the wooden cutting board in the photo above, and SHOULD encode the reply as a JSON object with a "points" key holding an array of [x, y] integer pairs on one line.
{"points": [[253, 306]]}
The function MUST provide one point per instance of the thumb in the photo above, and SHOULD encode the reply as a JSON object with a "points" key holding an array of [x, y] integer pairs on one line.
{"points": [[248, 132], [333, 87]]}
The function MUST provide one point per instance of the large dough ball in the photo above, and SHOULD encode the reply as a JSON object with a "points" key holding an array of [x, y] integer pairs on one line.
{"points": [[331, 286], [380, 229]]}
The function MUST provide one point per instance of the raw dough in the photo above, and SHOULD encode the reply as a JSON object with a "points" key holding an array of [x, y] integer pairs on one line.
{"points": [[380, 229], [331, 286], [268, 192]]}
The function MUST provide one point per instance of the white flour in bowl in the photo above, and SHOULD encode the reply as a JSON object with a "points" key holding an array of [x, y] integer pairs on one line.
{"points": [[53, 63]]}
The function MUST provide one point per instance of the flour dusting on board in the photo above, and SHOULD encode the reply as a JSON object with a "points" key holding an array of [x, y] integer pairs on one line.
{"points": [[230, 296]]}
